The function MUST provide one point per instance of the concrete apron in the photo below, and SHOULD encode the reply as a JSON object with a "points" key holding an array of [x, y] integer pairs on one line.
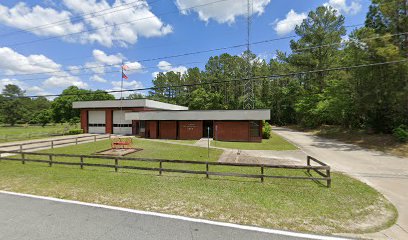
{"points": [[386, 173]]}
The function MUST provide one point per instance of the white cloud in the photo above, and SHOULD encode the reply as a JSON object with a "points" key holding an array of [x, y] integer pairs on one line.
{"points": [[22, 16], [165, 67], [113, 25], [287, 25], [19, 64], [101, 57], [126, 85], [64, 80], [341, 5], [222, 12], [16, 63], [30, 90], [97, 78], [134, 67], [120, 33], [74, 69]]}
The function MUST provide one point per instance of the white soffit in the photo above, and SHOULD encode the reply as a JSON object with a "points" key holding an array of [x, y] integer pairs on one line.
{"points": [[262, 114], [128, 104]]}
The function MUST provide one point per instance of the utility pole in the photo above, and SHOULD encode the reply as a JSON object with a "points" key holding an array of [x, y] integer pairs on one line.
{"points": [[249, 96]]}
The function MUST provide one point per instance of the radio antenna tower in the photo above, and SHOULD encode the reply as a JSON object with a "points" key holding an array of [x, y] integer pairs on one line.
{"points": [[249, 96]]}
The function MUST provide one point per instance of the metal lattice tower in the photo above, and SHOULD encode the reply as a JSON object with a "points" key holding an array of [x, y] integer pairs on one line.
{"points": [[249, 96]]}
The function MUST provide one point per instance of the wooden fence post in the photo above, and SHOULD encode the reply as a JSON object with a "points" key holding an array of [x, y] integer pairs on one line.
{"points": [[94, 138], [262, 173], [52, 144], [161, 168], [21, 147], [329, 178], [116, 164], [308, 163], [206, 170], [22, 158], [82, 162], [50, 163]]}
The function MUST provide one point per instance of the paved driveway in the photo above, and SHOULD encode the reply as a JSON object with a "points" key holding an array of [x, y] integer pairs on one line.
{"points": [[388, 174], [23, 217]]}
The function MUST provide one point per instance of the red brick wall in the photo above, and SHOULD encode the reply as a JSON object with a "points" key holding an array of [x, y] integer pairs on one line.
{"points": [[168, 129], [84, 120], [231, 131], [190, 130], [109, 121]]}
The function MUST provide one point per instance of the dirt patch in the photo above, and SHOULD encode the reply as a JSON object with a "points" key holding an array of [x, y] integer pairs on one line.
{"points": [[118, 152], [261, 157]]}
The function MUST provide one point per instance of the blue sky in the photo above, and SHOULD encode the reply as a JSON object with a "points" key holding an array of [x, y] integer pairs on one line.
{"points": [[135, 31]]}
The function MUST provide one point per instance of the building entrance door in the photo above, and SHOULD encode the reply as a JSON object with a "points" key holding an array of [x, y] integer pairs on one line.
{"points": [[206, 125]]}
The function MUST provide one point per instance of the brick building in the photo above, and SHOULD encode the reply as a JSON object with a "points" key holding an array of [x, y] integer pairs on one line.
{"points": [[157, 120]]}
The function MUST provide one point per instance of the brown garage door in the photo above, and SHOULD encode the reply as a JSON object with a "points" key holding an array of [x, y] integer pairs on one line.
{"points": [[168, 129], [232, 130]]}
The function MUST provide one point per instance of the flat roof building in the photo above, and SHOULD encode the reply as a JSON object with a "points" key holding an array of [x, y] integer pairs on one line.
{"points": [[153, 119]]}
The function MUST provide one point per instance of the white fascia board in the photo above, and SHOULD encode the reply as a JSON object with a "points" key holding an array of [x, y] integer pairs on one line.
{"points": [[262, 114], [162, 105], [127, 104]]}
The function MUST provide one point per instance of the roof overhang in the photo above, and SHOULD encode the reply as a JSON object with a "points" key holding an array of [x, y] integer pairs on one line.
{"points": [[137, 103], [260, 114]]}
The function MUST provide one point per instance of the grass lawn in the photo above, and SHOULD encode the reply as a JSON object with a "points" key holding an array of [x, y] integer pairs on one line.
{"points": [[190, 142], [276, 142], [380, 142], [349, 206], [21, 132]]}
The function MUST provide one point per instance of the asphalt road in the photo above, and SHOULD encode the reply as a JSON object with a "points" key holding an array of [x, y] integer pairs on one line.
{"points": [[23, 217]]}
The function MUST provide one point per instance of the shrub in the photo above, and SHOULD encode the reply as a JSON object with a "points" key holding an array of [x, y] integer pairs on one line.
{"points": [[266, 130], [401, 133], [75, 131]]}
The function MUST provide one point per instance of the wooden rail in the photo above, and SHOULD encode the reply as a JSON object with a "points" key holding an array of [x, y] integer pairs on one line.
{"points": [[160, 169], [55, 142]]}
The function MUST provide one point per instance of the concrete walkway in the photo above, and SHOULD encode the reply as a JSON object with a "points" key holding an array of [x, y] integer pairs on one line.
{"points": [[388, 174]]}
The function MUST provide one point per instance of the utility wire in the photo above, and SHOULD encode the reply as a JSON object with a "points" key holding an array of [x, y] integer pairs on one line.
{"points": [[211, 50], [78, 17], [271, 77], [108, 72], [115, 25]]}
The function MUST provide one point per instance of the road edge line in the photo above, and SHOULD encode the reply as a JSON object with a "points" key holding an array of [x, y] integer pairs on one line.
{"points": [[170, 216]]}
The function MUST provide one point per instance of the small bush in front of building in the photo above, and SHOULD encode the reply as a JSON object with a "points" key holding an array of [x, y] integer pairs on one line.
{"points": [[401, 133], [266, 130], [75, 131]]}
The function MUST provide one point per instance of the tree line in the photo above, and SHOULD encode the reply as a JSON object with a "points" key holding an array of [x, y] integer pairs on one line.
{"points": [[371, 97]]}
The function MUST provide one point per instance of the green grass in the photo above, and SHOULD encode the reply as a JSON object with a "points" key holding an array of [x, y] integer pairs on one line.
{"points": [[190, 142], [21, 132], [349, 206], [276, 142]]}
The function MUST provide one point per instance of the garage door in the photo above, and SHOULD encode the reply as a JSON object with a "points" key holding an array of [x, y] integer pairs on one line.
{"points": [[120, 125], [96, 122]]}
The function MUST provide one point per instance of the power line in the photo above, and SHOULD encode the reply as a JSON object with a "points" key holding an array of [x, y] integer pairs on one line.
{"points": [[351, 40], [115, 25], [108, 72], [62, 22], [272, 77], [207, 51]]}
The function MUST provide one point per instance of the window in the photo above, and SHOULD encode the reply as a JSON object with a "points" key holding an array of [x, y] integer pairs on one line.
{"points": [[122, 125], [142, 126], [96, 125], [254, 129]]}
